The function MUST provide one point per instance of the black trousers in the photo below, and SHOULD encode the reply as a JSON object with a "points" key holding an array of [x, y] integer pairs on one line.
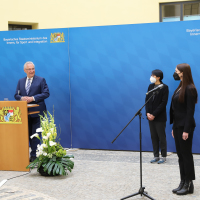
{"points": [[184, 152], [158, 138], [33, 124]]}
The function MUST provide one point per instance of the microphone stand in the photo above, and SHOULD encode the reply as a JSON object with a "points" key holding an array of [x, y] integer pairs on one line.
{"points": [[141, 190]]}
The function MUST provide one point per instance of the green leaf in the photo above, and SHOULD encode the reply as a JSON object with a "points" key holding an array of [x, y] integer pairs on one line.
{"points": [[32, 164], [61, 169], [69, 168], [68, 156], [55, 168], [50, 168], [47, 166], [69, 163], [39, 165], [44, 164], [54, 158], [58, 168]]}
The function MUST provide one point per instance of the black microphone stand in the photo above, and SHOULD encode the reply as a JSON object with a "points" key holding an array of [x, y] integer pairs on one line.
{"points": [[141, 190]]}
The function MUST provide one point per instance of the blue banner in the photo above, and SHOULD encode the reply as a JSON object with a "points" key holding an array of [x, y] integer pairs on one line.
{"points": [[48, 50], [109, 67]]}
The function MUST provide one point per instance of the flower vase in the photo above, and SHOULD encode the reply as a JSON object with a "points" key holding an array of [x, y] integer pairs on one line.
{"points": [[43, 173]]}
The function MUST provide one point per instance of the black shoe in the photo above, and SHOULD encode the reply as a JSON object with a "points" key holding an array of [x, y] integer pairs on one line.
{"points": [[187, 188], [179, 187], [32, 158]]}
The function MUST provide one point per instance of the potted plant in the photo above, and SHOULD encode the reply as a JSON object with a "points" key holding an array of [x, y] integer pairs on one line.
{"points": [[51, 157]]}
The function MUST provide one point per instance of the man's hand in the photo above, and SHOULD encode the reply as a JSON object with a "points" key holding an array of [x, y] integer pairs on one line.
{"points": [[185, 136], [150, 117], [28, 99], [23, 99]]}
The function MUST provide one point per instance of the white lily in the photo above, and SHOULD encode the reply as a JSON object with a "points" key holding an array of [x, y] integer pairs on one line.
{"points": [[48, 134], [45, 137], [51, 143], [44, 154], [44, 146], [34, 135], [40, 148], [38, 153], [39, 130]]}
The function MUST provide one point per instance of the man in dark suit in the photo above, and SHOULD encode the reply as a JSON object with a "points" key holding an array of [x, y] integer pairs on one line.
{"points": [[34, 90], [157, 116]]}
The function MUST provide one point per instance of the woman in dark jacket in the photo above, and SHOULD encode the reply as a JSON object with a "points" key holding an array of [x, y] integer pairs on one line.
{"points": [[182, 116], [157, 116]]}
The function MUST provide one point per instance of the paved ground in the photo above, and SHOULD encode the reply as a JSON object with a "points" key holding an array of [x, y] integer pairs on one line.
{"points": [[101, 175]]}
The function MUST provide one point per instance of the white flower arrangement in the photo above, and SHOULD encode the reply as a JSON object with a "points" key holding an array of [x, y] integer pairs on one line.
{"points": [[51, 156]]}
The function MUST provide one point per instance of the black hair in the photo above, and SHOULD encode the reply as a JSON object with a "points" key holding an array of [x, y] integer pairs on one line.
{"points": [[157, 73], [186, 82]]}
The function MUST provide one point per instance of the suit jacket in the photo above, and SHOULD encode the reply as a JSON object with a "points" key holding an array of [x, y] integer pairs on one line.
{"points": [[39, 90], [157, 105], [183, 113]]}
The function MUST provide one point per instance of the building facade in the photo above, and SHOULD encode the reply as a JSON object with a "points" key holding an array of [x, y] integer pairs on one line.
{"points": [[46, 14]]}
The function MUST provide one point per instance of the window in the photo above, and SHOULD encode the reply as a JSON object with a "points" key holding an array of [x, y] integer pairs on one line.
{"points": [[171, 13], [180, 11], [191, 11], [14, 27]]}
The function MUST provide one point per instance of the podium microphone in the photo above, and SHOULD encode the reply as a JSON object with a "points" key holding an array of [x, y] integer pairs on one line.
{"points": [[155, 89]]}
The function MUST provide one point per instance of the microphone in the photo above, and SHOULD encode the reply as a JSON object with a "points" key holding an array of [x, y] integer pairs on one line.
{"points": [[155, 89]]}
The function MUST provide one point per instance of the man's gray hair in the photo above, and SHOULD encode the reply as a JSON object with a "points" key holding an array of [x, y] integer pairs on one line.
{"points": [[29, 62]]}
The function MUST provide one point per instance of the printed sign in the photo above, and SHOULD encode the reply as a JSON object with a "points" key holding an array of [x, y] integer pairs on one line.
{"points": [[10, 115]]}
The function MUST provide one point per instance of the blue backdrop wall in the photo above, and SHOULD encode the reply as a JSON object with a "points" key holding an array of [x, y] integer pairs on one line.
{"points": [[109, 67], [51, 62]]}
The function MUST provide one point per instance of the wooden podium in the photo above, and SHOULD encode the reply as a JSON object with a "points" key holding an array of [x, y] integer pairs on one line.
{"points": [[14, 137]]}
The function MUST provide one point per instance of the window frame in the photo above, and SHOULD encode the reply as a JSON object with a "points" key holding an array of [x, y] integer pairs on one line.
{"points": [[29, 27], [181, 3]]}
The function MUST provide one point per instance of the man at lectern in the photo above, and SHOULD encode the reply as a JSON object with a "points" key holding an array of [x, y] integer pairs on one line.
{"points": [[34, 90]]}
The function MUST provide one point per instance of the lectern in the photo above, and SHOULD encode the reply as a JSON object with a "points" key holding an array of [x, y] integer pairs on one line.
{"points": [[14, 137]]}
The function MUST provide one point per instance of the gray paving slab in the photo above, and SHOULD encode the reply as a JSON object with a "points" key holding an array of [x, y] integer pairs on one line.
{"points": [[101, 175]]}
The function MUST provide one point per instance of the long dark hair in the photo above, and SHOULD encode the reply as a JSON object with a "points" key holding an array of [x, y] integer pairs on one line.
{"points": [[187, 81]]}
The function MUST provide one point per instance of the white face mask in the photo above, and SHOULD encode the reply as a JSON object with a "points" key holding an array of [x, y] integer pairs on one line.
{"points": [[152, 79]]}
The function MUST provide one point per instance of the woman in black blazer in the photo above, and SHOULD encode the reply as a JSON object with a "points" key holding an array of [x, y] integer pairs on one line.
{"points": [[182, 116], [157, 116]]}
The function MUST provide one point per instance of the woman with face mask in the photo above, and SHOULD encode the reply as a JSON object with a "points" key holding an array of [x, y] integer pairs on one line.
{"points": [[157, 117], [182, 116]]}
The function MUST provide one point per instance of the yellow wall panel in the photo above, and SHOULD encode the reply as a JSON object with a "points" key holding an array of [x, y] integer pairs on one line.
{"points": [[78, 13]]}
